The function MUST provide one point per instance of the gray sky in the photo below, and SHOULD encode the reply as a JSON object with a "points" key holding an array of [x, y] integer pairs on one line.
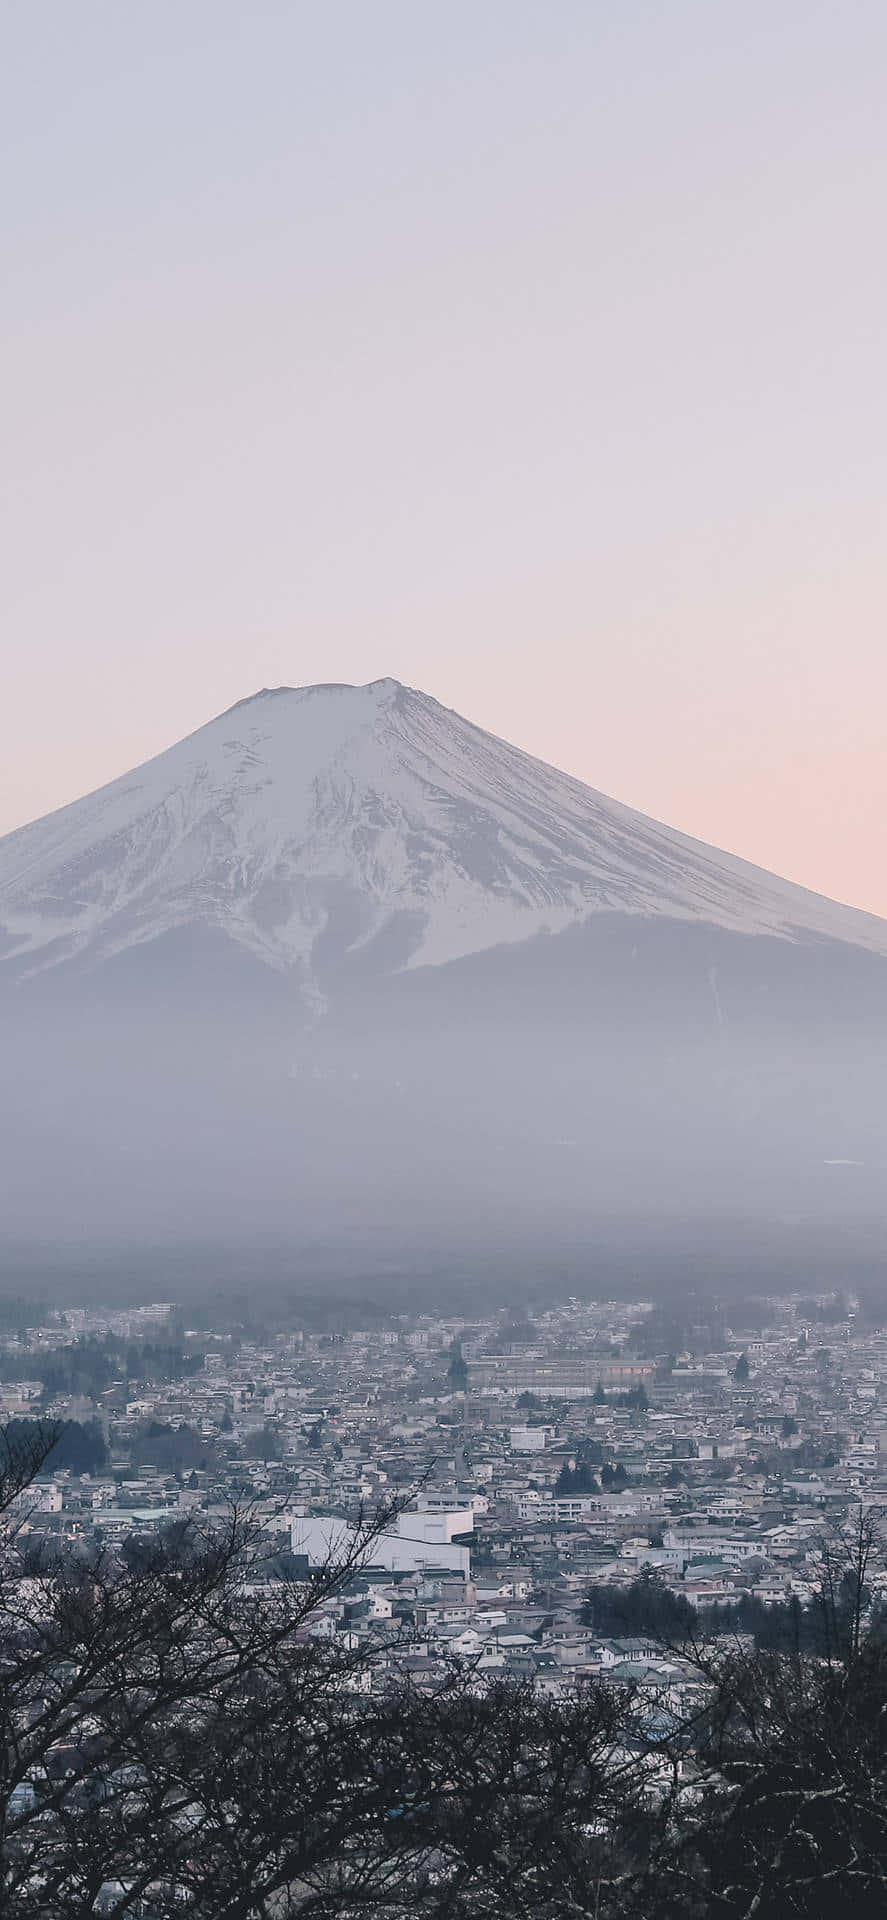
{"points": [[530, 353]]}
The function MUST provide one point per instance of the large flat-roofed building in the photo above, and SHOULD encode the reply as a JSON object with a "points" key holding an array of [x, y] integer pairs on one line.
{"points": [[562, 1377], [413, 1542]]}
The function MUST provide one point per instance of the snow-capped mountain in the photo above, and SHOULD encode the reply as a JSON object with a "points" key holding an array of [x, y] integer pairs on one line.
{"points": [[342, 964], [370, 816]]}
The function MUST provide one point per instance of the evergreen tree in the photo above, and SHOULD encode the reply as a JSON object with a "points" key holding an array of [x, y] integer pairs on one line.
{"points": [[457, 1371]]}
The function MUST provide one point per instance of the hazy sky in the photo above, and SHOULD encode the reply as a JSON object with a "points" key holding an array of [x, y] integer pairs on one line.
{"points": [[532, 353]]}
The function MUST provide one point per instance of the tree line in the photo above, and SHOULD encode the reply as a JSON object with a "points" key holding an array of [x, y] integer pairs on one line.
{"points": [[647, 1607]]}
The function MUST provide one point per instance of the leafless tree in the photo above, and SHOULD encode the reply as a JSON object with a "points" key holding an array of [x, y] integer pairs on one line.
{"points": [[791, 1748], [25, 1447], [138, 1699]]}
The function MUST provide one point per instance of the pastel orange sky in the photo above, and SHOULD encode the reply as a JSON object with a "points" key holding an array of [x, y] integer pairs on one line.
{"points": [[533, 355]]}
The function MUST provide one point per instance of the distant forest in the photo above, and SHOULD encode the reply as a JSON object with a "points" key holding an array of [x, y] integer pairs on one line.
{"points": [[696, 1288]]}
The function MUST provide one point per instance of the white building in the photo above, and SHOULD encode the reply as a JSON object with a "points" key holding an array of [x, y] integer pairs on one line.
{"points": [[529, 1439], [700, 1543], [413, 1542]]}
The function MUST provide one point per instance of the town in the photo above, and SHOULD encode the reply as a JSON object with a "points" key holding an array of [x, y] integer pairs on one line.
{"points": [[565, 1493]]}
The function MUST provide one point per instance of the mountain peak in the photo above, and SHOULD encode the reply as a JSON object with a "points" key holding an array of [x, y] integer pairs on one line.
{"points": [[387, 685], [376, 817]]}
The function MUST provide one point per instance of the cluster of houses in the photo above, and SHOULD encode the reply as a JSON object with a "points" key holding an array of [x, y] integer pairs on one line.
{"points": [[520, 1467]]}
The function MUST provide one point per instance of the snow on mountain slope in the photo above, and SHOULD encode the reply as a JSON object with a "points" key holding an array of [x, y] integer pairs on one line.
{"points": [[375, 815]]}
